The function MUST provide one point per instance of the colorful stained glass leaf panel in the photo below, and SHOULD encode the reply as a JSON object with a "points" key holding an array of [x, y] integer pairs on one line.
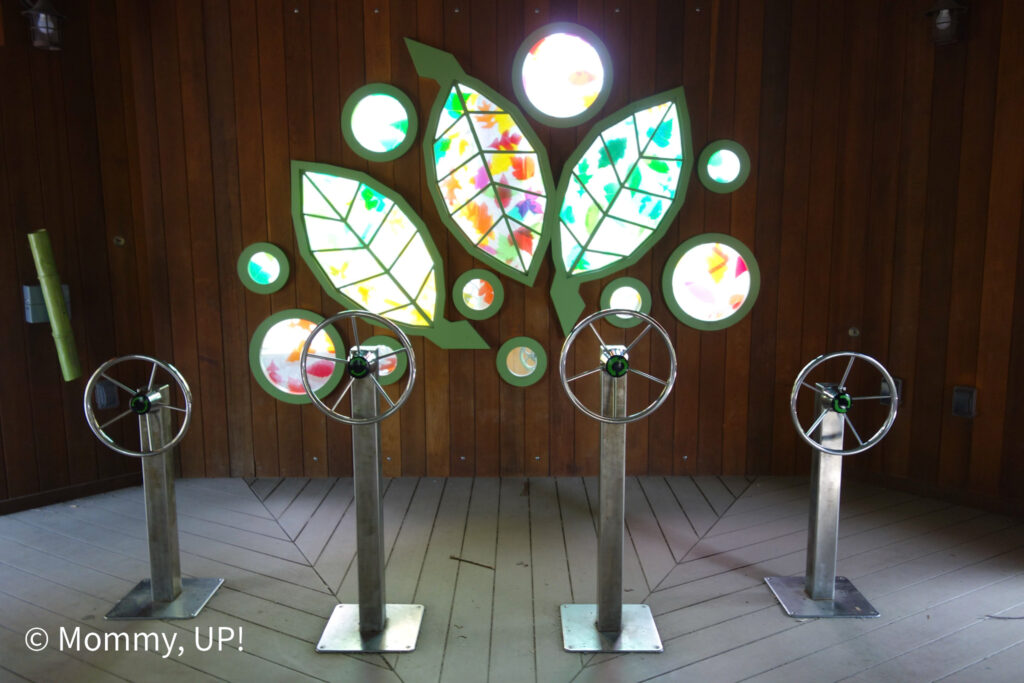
{"points": [[490, 179], [621, 188], [374, 254]]}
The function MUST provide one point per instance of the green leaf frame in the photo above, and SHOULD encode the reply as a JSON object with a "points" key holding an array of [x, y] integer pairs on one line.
{"points": [[445, 69], [442, 332], [565, 286]]}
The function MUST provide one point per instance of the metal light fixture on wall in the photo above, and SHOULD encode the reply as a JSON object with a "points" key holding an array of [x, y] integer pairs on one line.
{"points": [[43, 24], [947, 19]]}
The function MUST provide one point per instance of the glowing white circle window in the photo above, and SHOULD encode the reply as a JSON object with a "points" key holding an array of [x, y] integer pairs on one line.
{"points": [[627, 298], [280, 352], [380, 123], [711, 281], [562, 75], [264, 268], [724, 166]]}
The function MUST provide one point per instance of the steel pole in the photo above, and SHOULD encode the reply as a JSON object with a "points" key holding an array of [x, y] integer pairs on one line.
{"points": [[161, 513], [826, 478], [611, 495], [367, 476]]}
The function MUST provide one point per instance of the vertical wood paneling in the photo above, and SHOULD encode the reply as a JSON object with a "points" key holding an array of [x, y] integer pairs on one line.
{"points": [[744, 206], [794, 238], [211, 398], [228, 225], [668, 452], [969, 246], [769, 160], [1002, 234], [885, 195]]}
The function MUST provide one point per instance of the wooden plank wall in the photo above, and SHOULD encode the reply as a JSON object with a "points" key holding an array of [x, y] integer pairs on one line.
{"points": [[886, 196]]}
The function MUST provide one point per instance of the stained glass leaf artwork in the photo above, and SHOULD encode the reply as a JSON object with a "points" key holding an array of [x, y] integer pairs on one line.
{"points": [[617, 195], [370, 250], [487, 171]]}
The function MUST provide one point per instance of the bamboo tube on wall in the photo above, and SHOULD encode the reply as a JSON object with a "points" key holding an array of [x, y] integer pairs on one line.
{"points": [[56, 308]]}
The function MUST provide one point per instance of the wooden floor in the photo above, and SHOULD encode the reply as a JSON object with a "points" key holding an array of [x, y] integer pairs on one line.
{"points": [[492, 560]]}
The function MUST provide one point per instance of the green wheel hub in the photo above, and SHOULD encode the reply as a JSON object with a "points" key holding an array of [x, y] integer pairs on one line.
{"points": [[140, 404], [617, 366], [842, 402], [359, 367]]}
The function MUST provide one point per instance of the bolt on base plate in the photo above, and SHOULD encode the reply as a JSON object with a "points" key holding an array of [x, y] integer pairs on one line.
{"points": [[638, 634]]}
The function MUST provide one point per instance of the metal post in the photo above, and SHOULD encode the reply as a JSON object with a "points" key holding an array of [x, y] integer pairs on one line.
{"points": [[158, 489], [612, 494], [372, 625], [165, 595], [820, 593], [609, 625], [823, 529], [367, 474]]}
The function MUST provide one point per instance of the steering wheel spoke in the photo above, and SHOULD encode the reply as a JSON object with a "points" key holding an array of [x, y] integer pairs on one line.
{"points": [[638, 337], [649, 377]]}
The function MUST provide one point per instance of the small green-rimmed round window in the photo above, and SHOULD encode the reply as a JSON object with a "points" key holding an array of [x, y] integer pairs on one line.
{"points": [[562, 74], [394, 365], [628, 293], [263, 267], [478, 294], [379, 122], [275, 350], [711, 281], [723, 166], [521, 361]]}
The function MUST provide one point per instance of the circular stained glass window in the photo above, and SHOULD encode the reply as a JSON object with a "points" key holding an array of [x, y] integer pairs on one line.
{"points": [[521, 361], [478, 294], [562, 74], [275, 350], [263, 267], [627, 293], [723, 166], [379, 122], [393, 363], [711, 281]]}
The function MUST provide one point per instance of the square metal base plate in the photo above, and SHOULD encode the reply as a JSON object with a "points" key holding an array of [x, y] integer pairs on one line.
{"points": [[792, 594], [401, 628], [138, 604], [580, 634]]}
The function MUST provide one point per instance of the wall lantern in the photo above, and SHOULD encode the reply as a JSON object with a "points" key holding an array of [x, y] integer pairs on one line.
{"points": [[947, 18], [43, 24]]}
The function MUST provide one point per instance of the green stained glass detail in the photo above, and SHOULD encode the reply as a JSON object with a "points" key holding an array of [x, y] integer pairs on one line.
{"points": [[619, 192], [376, 255], [487, 170], [263, 267]]}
